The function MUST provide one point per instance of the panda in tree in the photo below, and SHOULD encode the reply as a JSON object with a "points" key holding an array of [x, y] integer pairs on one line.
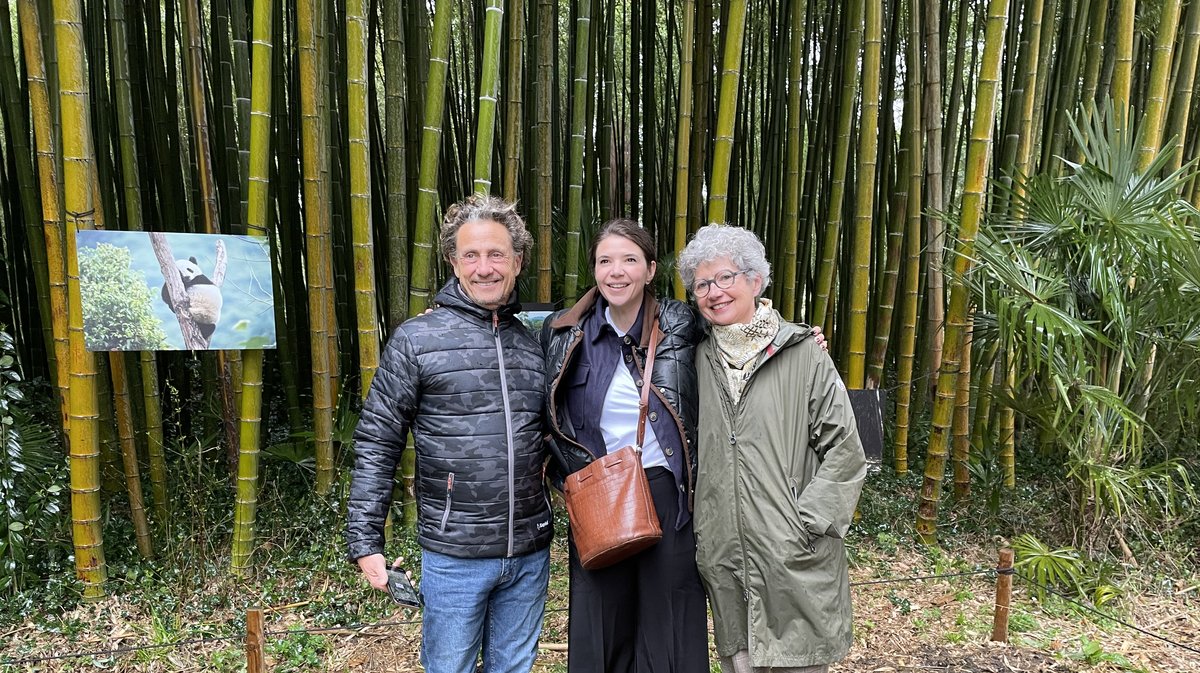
{"points": [[204, 296]]}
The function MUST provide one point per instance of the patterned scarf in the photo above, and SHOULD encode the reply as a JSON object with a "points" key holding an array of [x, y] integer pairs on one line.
{"points": [[741, 343]]}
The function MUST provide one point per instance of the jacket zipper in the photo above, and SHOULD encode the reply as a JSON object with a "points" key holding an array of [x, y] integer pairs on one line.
{"points": [[730, 410], [734, 411], [508, 429], [449, 499]]}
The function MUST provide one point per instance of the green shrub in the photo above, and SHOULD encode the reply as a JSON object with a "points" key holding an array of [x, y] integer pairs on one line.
{"points": [[32, 480], [116, 302]]}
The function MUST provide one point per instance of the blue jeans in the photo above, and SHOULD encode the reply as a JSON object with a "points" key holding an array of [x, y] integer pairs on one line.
{"points": [[495, 604]]}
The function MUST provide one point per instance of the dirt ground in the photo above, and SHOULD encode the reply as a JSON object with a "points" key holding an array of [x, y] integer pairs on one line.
{"points": [[929, 625], [940, 625]]}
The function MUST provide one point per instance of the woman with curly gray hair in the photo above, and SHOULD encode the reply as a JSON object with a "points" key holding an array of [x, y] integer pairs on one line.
{"points": [[780, 468]]}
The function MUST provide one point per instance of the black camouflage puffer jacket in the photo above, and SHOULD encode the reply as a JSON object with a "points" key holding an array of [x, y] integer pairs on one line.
{"points": [[674, 376], [468, 382]]}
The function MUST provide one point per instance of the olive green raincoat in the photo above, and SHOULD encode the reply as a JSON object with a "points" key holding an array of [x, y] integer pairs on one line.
{"points": [[779, 477]]}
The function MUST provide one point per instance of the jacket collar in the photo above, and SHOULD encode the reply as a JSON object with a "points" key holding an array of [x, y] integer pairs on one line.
{"points": [[575, 315], [452, 296], [791, 333]]}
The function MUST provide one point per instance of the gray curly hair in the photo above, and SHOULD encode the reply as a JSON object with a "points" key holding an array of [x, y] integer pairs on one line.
{"points": [[738, 245], [492, 209]]}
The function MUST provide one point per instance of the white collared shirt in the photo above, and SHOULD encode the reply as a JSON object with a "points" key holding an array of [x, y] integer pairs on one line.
{"points": [[619, 415]]}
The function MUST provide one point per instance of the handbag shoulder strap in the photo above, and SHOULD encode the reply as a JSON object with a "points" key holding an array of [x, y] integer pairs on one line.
{"points": [[647, 381]]}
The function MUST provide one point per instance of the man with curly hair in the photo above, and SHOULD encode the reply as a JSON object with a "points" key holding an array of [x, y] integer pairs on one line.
{"points": [[467, 380]]}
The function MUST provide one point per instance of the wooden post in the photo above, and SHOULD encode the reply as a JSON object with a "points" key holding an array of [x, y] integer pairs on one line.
{"points": [[1004, 575], [254, 641]]}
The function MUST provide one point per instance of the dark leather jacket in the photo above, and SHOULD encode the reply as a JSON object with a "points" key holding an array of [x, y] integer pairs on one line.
{"points": [[674, 378], [468, 383]]}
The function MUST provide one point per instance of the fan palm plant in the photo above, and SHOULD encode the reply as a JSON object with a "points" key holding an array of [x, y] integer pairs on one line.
{"points": [[1086, 278]]}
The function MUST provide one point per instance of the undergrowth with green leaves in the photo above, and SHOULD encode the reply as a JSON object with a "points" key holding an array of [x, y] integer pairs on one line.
{"points": [[188, 591]]}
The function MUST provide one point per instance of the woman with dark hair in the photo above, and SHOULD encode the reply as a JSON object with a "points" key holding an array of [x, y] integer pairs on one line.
{"points": [[645, 613]]}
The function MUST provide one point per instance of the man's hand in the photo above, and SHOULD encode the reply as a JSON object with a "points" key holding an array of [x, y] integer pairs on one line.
{"points": [[374, 568]]}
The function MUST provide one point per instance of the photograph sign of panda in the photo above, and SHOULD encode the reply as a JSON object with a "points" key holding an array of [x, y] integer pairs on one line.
{"points": [[149, 291]]}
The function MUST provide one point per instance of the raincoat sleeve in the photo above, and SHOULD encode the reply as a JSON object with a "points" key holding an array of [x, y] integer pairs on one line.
{"points": [[379, 439], [827, 502]]}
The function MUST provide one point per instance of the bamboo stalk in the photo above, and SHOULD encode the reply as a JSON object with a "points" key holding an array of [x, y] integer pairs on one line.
{"points": [[583, 20], [514, 99], [489, 90], [1156, 90], [543, 156], [420, 294], [245, 509], [1121, 88], [17, 134], [395, 105], [961, 425], [935, 235], [77, 159], [792, 184], [822, 300], [359, 143], [698, 147], [906, 352], [978, 156], [731, 70], [1181, 97], [50, 203], [864, 198], [129, 458], [316, 218], [131, 178]]}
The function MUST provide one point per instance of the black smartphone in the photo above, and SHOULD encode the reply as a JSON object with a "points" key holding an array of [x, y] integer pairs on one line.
{"points": [[401, 589]]}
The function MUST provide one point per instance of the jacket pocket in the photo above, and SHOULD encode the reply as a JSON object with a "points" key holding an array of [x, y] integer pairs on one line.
{"points": [[576, 389], [806, 539], [578, 376], [449, 501]]}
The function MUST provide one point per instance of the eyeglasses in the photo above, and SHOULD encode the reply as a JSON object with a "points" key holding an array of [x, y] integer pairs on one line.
{"points": [[723, 280], [495, 257]]}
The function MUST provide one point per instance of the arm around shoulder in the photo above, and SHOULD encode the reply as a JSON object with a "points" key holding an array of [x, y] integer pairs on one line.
{"points": [[681, 319]]}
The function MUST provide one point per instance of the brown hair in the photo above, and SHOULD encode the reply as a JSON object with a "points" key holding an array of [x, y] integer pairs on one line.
{"points": [[627, 229]]}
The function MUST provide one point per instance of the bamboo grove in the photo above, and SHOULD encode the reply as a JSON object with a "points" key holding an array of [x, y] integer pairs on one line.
{"points": [[880, 148]]}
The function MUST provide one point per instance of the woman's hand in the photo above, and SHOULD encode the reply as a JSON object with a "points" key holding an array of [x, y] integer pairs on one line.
{"points": [[819, 337]]}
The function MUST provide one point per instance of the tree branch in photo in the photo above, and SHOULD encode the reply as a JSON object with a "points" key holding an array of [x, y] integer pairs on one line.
{"points": [[178, 298], [218, 275]]}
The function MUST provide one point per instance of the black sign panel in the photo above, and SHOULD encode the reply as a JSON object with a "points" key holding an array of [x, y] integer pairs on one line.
{"points": [[868, 412]]}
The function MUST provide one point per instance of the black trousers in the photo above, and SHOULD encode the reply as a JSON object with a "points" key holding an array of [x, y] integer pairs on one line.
{"points": [[646, 614]]}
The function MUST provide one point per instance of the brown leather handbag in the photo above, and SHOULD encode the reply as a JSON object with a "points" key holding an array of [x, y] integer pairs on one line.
{"points": [[609, 503]]}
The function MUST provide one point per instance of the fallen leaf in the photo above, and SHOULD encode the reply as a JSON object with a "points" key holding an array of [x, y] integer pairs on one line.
{"points": [[942, 600]]}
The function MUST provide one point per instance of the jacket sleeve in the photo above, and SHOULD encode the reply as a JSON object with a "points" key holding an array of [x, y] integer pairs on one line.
{"points": [[681, 320], [544, 337], [379, 439], [827, 503], [557, 467]]}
